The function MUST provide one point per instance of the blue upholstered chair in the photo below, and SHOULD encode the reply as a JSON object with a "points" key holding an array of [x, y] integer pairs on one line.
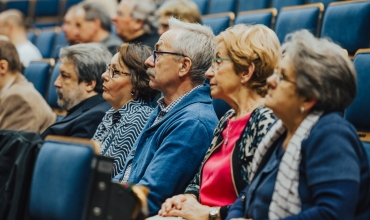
{"points": [[69, 3], [347, 24], [358, 112], [38, 72], [220, 107], [61, 178], [51, 94], [45, 42], [246, 5], [263, 16], [21, 5], [325, 2], [278, 4], [202, 5], [220, 6], [294, 18], [218, 22], [60, 41]]}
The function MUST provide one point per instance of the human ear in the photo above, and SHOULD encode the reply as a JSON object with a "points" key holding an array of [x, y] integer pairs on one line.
{"points": [[185, 66]]}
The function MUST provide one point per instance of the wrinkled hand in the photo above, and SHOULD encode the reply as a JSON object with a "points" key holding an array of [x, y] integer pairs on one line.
{"points": [[172, 203], [190, 209]]}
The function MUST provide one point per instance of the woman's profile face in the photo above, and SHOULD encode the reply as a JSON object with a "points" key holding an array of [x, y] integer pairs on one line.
{"points": [[117, 85], [282, 97]]}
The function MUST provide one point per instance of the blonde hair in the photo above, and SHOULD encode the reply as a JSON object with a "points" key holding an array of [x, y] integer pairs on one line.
{"points": [[185, 10], [247, 44]]}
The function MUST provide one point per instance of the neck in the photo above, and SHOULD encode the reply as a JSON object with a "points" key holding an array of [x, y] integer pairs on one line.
{"points": [[174, 92], [5, 79], [134, 35], [100, 36], [18, 37], [117, 107], [244, 102], [292, 124]]}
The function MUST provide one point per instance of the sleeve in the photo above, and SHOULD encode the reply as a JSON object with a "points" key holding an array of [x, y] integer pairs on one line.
{"points": [[236, 210], [178, 157], [16, 114], [333, 200]]}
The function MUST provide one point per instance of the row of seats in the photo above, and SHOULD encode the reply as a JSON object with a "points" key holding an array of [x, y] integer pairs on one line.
{"points": [[346, 23]]}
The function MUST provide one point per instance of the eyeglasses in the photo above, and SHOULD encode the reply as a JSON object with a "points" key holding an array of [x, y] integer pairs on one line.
{"points": [[155, 52], [280, 77], [112, 72], [216, 61]]}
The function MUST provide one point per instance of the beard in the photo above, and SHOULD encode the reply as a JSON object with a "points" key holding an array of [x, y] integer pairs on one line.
{"points": [[69, 98]]}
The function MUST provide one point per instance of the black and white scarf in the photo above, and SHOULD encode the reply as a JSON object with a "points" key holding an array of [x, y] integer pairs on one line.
{"points": [[285, 198]]}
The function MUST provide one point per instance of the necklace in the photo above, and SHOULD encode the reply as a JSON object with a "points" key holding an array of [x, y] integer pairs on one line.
{"points": [[228, 129]]}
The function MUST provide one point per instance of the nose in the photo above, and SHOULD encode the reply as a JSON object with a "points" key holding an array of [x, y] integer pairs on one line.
{"points": [[105, 76], [150, 62], [210, 73], [271, 81], [57, 82]]}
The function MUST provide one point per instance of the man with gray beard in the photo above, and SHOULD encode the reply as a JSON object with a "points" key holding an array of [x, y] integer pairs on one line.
{"points": [[79, 88]]}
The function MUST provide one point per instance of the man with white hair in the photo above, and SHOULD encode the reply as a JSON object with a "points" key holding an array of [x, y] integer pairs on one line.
{"points": [[136, 22], [169, 150]]}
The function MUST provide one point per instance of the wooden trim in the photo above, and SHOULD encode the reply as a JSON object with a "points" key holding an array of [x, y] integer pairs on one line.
{"points": [[230, 14], [314, 5], [365, 50], [346, 2], [364, 136], [272, 10], [94, 144]]}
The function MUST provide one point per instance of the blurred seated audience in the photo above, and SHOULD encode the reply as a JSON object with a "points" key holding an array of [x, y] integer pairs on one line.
{"points": [[169, 150], [12, 25], [94, 25], [136, 22], [80, 87], [184, 10], [109, 5], [126, 89], [69, 26], [245, 57], [21, 105], [311, 164]]}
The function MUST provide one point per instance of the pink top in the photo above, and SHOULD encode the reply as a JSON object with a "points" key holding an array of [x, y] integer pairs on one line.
{"points": [[217, 187]]}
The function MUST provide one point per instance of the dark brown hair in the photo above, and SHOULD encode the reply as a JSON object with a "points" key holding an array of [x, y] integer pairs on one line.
{"points": [[134, 56], [9, 53]]}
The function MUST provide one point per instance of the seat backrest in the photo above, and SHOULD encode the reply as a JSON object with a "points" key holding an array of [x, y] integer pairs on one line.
{"points": [[202, 5], [263, 16], [324, 2], [218, 22], [220, 107], [51, 95], [347, 24], [278, 4], [357, 113], [38, 72], [45, 42], [366, 145], [47, 8], [220, 6], [245, 5], [60, 181], [60, 41], [294, 18], [21, 5]]}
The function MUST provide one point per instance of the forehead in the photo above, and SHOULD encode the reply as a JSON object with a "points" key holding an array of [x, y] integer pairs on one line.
{"points": [[125, 5], [166, 40], [221, 48], [163, 19], [68, 68], [80, 13]]}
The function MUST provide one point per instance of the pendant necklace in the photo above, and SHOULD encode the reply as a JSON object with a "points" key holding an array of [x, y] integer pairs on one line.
{"points": [[228, 129]]}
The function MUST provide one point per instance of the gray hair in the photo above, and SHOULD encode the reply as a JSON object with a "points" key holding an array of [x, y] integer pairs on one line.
{"points": [[145, 10], [89, 61], [196, 41], [97, 11], [322, 70]]}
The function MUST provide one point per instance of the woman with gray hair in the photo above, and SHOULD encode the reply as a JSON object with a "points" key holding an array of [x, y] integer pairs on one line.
{"points": [[311, 164]]}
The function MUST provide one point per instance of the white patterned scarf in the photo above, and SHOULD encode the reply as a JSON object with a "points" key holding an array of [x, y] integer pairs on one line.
{"points": [[285, 198]]}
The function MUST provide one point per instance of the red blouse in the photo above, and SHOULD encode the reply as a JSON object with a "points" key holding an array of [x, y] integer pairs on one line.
{"points": [[217, 187]]}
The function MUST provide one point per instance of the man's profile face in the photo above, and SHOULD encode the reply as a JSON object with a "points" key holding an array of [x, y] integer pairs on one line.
{"points": [[123, 20], [86, 30], [70, 91], [69, 27]]}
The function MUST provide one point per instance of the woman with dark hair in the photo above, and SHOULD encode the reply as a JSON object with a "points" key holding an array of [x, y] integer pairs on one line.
{"points": [[126, 88], [311, 163]]}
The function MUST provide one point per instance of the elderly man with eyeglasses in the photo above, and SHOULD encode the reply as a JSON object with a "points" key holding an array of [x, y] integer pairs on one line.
{"points": [[169, 150], [79, 88]]}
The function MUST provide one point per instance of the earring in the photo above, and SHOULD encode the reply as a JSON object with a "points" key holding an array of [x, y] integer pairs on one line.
{"points": [[302, 109], [133, 93]]}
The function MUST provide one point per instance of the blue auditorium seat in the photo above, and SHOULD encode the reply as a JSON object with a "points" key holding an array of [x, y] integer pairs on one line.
{"points": [[358, 112], [38, 72], [245, 5], [47, 8], [220, 107], [263, 16], [51, 94], [45, 42], [220, 6], [21, 5], [347, 24], [202, 5], [278, 4], [31, 37], [325, 2], [60, 41], [69, 3], [295, 18], [61, 178], [218, 22]]}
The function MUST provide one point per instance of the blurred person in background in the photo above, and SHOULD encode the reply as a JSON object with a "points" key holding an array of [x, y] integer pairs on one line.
{"points": [[79, 88], [136, 22], [109, 5], [94, 25], [69, 26], [126, 89], [184, 10], [12, 25], [21, 105]]}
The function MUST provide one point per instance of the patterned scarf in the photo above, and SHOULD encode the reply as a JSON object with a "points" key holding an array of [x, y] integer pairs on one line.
{"points": [[285, 198]]}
